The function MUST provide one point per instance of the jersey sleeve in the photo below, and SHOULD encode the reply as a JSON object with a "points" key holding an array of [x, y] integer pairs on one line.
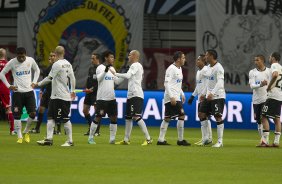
{"points": [[168, 78], [5, 70], [72, 79], [36, 71]]}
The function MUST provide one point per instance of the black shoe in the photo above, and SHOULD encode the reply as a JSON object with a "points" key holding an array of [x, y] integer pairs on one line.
{"points": [[87, 133], [162, 143], [183, 143], [45, 142]]}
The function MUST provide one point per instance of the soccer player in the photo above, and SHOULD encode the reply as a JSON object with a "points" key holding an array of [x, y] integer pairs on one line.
{"points": [[63, 86], [106, 101], [173, 103], [92, 85], [45, 93], [23, 95], [272, 106], [135, 98], [5, 92], [215, 95], [259, 77], [200, 91]]}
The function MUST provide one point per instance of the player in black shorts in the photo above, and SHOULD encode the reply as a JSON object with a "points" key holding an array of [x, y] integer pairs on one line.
{"points": [[90, 98]]}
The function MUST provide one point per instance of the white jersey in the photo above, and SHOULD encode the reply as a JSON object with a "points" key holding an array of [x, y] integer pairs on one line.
{"points": [[106, 83], [173, 83], [255, 79], [276, 89], [215, 84], [135, 77], [22, 73], [201, 82], [63, 80]]}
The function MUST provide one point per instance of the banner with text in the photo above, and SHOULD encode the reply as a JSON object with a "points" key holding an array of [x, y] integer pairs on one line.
{"points": [[239, 30], [82, 27]]}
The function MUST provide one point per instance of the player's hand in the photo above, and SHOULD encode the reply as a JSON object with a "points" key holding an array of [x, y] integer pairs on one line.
{"points": [[263, 83], [210, 97], [73, 95], [202, 98], [107, 68], [112, 71], [191, 99], [183, 99], [34, 85], [13, 88], [87, 91], [173, 101]]}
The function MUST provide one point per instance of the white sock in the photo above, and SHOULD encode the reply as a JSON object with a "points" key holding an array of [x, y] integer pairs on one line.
{"points": [[260, 127], [113, 132], [163, 129], [18, 128], [180, 129], [202, 132], [28, 125], [93, 128], [209, 130], [220, 129], [68, 129], [205, 132], [128, 128], [277, 137], [144, 129], [50, 128], [265, 137]]}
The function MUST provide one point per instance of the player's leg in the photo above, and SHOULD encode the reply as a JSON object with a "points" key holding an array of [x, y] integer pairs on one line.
{"points": [[65, 119], [29, 103], [17, 112], [5, 99], [164, 124], [257, 115], [86, 109], [99, 113], [180, 125], [203, 116], [266, 112], [217, 107], [111, 110]]}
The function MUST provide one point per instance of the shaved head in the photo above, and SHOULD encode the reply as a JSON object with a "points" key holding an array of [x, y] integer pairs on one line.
{"points": [[60, 51]]}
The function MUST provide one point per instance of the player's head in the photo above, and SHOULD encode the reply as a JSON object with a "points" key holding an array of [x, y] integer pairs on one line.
{"points": [[95, 58], [133, 56], [179, 58], [259, 60], [2, 53], [109, 57], [211, 55], [201, 61], [21, 54], [52, 57], [274, 57], [60, 52]]}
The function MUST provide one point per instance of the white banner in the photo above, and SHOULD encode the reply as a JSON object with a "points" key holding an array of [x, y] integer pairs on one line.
{"points": [[81, 26], [238, 30]]}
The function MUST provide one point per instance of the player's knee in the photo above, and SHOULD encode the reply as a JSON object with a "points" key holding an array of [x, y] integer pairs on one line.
{"points": [[85, 111], [136, 118]]}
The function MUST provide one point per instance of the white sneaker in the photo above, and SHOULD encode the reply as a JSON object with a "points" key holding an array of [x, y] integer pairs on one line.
{"points": [[112, 141], [217, 145], [67, 144]]}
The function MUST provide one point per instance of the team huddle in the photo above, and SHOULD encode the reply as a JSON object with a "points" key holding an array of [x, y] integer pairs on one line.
{"points": [[58, 90]]}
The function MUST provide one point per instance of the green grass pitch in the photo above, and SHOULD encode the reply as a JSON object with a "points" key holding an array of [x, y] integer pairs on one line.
{"points": [[239, 161]]}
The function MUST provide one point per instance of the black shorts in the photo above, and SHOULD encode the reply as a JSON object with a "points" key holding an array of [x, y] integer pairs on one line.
{"points": [[90, 99], [59, 110], [173, 111], [106, 107], [257, 112], [44, 101], [21, 100], [214, 107], [271, 108], [134, 107]]}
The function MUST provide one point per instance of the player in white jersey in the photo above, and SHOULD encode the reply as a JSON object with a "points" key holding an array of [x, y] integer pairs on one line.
{"points": [[215, 95], [259, 77], [23, 95], [135, 98], [63, 86], [200, 91], [173, 103], [272, 106], [106, 101]]}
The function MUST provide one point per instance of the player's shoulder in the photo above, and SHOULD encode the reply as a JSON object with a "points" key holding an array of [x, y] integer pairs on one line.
{"points": [[252, 71], [100, 67], [28, 58]]}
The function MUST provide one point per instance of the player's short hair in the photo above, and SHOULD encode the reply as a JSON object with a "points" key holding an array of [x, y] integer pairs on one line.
{"points": [[20, 50], [2, 52], [276, 56], [107, 54], [261, 57], [96, 55], [213, 53], [177, 55]]}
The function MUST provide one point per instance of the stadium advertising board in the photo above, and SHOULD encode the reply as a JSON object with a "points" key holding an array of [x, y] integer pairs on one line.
{"points": [[237, 114]]}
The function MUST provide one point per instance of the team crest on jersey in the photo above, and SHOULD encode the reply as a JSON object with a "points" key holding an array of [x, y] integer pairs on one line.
{"points": [[82, 26]]}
